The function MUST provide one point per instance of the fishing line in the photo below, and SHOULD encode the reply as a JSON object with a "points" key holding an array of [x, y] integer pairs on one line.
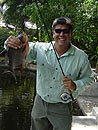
{"points": [[2, 51]]}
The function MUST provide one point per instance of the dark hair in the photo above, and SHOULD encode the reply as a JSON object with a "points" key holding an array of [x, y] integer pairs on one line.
{"points": [[62, 21]]}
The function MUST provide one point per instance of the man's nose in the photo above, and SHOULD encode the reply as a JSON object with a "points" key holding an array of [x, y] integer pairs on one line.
{"points": [[62, 33]]}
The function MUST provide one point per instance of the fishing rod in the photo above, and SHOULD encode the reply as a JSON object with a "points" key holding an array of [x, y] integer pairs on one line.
{"points": [[50, 39], [63, 96], [2, 51]]}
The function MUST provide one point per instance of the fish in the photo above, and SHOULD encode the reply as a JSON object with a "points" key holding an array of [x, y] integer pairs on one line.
{"points": [[17, 56]]}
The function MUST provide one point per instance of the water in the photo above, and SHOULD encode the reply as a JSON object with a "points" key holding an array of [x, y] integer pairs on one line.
{"points": [[16, 101]]}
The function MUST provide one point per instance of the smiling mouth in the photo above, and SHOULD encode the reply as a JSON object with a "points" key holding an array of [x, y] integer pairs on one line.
{"points": [[62, 39]]}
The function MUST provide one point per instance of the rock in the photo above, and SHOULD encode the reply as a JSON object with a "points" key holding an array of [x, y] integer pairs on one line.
{"points": [[91, 91]]}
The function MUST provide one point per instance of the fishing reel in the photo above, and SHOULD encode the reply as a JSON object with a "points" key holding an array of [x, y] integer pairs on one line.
{"points": [[66, 98]]}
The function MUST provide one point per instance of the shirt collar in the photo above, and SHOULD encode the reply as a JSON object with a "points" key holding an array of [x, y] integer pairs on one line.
{"points": [[50, 47], [70, 51]]}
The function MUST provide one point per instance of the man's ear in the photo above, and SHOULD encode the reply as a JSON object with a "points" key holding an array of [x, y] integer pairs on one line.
{"points": [[52, 31]]}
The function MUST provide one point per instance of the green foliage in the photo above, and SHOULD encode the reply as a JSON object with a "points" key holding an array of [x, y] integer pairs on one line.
{"points": [[4, 34], [14, 13], [84, 15], [86, 28]]}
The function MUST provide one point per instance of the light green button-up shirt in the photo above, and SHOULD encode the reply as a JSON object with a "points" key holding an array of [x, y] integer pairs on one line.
{"points": [[49, 84]]}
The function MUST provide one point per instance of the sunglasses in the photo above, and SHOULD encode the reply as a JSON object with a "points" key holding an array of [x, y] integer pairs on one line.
{"points": [[65, 31]]}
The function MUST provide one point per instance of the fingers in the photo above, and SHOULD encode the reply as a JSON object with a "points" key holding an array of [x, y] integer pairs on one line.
{"points": [[69, 84], [13, 42], [66, 82], [69, 91], [66, 79]]}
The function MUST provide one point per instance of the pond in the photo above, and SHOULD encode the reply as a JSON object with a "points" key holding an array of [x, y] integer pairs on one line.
{"points": [[16, 101]]}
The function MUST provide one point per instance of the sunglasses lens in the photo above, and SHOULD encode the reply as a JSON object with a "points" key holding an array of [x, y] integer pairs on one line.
{"points": [[58, 30], [65, 31]]}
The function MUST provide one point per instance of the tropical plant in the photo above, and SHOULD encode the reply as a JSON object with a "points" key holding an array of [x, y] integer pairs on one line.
{"points": [[84, 15]]}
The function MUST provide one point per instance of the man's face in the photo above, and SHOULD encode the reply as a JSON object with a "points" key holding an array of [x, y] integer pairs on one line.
{"points": [[62, 35]]}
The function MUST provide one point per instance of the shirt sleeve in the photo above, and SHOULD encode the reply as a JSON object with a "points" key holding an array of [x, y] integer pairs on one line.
{"points": [[86, 78]]}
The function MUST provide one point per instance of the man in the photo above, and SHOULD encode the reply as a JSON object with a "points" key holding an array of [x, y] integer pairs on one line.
{"points": [[50, 110]]}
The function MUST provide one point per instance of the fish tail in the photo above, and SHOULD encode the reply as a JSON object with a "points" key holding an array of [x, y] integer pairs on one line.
{"points": [[12, 74]]}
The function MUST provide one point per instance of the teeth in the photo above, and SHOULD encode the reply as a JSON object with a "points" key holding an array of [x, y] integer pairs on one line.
{"points": [[62, 39]]}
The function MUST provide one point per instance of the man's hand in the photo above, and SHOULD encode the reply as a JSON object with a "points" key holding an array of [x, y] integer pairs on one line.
{"points": [[69, 84], [13, 42], [16, 43]]}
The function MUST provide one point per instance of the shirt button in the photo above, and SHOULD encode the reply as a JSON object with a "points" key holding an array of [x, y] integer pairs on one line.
{"points": [[50, 87], [53, 77], [56, 68], [48, 95], [43, 64]]}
